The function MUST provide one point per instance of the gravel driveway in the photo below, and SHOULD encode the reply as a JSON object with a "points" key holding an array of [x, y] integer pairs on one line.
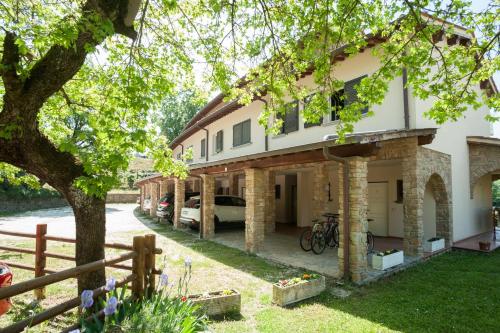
{"points": [[61, 222]]}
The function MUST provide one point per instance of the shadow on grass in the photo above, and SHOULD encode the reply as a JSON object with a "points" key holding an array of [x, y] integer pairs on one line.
{"points": [[249, 263], [455, 292]]}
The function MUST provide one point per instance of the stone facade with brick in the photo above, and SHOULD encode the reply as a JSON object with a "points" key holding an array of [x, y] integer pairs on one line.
{"points": [[483, 160], [179, 196], [255, 182], [207, 206]]}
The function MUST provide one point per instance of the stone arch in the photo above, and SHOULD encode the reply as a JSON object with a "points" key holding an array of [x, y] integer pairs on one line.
{"points": [[444, 226], [484, 159]]}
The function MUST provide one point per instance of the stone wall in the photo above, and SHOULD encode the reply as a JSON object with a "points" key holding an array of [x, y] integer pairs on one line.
{"points": [[22, 205], [483, 159], [122, 197], [255, 209]]}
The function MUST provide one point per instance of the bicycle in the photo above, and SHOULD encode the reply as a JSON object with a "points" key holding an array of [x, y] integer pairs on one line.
{"points": [[326, 233], [370, 240], [332, 233]]}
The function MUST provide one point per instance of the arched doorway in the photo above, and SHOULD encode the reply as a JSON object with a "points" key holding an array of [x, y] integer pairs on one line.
{"points": [[437, 219]]}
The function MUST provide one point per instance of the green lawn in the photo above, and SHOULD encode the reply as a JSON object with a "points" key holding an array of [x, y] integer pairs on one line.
{"points": [[454, 292]]}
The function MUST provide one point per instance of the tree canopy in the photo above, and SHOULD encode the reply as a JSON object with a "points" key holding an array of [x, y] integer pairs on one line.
{"points": [[97, 109], [177, 110]]}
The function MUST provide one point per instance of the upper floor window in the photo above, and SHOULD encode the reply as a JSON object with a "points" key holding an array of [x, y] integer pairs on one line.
{"points": [[344, 97], [307, 100], [190, 160], [241, 133], [203, 146], [290, 118], [219, 141]]}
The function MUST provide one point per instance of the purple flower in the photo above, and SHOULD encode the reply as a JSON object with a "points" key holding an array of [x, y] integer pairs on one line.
{"points": [[110, 284], [163, 280], [187, 262], [87, 298], [111, 306]]}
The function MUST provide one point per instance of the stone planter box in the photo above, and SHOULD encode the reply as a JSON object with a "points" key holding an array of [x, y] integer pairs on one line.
{"points": [[283, 296], [390, 260], [433, 246], [218, 303]]}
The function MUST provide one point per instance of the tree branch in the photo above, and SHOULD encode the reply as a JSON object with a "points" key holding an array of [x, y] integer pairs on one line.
{"points": [[10, 60]]}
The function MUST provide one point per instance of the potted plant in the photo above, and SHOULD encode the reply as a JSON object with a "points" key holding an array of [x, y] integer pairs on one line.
{"points": [[218, 302], [387, 259], [434, 244], [293, 290]]}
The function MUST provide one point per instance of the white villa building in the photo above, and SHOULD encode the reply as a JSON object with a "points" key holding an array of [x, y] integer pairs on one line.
{"points": [[414, 180]]}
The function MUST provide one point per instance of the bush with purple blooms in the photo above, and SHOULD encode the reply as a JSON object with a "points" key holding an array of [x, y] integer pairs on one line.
{"points": [[166, 310]]}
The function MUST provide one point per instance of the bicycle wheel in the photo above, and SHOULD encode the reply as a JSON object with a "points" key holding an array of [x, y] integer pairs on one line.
{"points": [[318, 242], [370, 242], [305, 240], [330, 236], [336, 235]]}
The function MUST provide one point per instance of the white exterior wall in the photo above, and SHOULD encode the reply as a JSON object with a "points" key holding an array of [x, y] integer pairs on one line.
{"points": [[451, 138], [468, 215], [389, 115]]}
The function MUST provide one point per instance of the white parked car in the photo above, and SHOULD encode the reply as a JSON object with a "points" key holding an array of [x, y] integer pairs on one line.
{"points": [[229, 211]]}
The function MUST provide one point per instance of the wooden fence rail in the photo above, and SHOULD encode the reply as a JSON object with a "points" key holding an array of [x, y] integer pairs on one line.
{"points": [[142, 253]]}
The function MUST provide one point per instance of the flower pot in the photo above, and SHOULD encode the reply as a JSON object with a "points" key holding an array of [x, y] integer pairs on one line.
{"points": [[218, 302], [387, 261], [283, 296], [484, 246], [433, 245]]}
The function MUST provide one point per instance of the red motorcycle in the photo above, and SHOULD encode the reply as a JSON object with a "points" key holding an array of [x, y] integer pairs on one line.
{"points": [[5, 281]]}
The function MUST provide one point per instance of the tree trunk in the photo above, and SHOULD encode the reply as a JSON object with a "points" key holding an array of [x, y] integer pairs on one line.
{"points": [[90, 218]]}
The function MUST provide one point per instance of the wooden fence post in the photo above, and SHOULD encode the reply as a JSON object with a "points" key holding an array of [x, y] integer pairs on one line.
{"points": [[149, 282], [138, 267], [40, 259]]}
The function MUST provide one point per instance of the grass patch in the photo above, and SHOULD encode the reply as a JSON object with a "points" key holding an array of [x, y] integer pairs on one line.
{"points": [[454, 292]]}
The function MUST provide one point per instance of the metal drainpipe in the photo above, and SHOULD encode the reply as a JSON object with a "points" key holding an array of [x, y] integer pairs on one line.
{"points": [[331, 157], [182, 149], [405, 99]]}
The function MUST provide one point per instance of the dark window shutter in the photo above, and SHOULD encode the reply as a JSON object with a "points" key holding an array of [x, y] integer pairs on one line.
{"points": [[202, 147], [351, 95], [246, 134], [237, 135], [219, 142], [292, 117]]}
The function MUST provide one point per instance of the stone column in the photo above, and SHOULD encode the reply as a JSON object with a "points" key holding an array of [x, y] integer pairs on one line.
{"points": [[358, 224], [358, 207], [207, 206], [154, 199], [180, 192], [320, 195], [255, 209], [340, 186], [196, 186], [270, 202], [413, 204], [141, 203], [147, 193]]}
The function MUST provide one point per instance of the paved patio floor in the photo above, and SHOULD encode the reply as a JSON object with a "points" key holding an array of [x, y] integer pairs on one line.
{"points": [[285, 249]]}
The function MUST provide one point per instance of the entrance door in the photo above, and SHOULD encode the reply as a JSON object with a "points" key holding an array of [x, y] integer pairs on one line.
{"points": [[377, 208]]}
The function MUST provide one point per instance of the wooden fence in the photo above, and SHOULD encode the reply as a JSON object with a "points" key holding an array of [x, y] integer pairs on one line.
{"points": [[142, 253]]}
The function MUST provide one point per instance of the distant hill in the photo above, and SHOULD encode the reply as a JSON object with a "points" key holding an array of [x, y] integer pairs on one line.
{"points": [[141, 164]]}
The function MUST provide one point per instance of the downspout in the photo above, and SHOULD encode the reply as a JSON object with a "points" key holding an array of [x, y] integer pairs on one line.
{"points": [[405, 99], [182, 149], [345, 163]]}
